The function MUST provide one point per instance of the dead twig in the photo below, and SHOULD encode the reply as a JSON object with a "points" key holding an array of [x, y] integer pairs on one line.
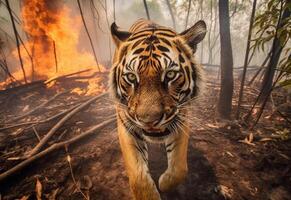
{"points": [[73, 176], [44, 140], [39, 107], [53, 148], [88, 34], [57, 78], [36, 133], [34, 123], [17, 40]]}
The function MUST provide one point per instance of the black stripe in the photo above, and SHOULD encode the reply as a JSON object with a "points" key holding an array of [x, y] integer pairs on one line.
{"points": [[142, 153], [169, 150], [162, 48], [181, 59], [188, 74], [165, 34], [164, 54], [166, 41], [166, 30], [138, 36], [138, 51], [136, 43]]}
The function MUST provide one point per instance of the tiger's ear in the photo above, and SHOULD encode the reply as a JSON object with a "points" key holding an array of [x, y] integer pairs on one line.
{"points": [[118, 35], [195, 34]]}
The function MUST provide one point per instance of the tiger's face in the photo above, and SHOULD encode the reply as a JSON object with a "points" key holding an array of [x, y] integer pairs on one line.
{"points": [[153, 75]]}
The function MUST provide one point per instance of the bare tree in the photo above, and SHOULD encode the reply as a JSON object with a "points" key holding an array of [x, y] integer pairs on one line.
{"points": [[209, 33], [146, 9], [171, 13], [88, 34], [188, 12], [226, 59], [114, 12], [246, 58], [201, 17], [16, 39]]}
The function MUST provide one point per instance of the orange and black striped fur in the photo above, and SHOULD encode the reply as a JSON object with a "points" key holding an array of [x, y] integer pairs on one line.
{"points": [[153, 79]]}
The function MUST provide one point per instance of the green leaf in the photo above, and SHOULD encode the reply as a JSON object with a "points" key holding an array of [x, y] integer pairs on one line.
{"points": [[285, 83]]}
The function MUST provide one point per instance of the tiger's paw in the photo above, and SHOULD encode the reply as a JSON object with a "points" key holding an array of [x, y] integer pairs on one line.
{"points": [[171, 178]]}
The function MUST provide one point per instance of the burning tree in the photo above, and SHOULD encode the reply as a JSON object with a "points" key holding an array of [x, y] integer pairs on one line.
{"points": [[53, 34]]}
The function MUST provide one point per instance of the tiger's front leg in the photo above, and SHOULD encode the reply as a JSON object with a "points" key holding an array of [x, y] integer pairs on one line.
{"points": [[176, 172], [135, 156]]}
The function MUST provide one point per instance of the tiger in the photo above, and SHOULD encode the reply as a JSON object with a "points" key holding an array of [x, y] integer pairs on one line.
{"points": [[154, 76]]}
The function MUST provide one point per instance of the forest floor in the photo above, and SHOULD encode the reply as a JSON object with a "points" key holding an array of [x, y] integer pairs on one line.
{"points": [[223, 162]]}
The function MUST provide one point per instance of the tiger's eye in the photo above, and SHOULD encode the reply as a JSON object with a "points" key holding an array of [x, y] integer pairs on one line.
{"points": [[131, 77], [170, 74]]}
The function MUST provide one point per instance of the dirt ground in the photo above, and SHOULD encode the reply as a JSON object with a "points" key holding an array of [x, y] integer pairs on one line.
{"points": [[221, 166]]}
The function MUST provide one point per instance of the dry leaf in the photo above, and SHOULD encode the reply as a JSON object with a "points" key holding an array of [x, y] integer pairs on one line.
{"points": [[266, 139], [284, 156], [248, 140], [25, 108], [230, 154], [224, 190], [212, 125], [53, 195], [15, 158], [86, 183], [251, 138], [69, 158], [17, 132], [25, 198], [38, 189]]}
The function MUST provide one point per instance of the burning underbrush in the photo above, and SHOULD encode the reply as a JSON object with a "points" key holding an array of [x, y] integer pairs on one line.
{"points": [[53, 48]]}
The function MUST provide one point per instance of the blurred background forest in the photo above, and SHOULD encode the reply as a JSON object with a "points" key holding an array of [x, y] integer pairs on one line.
{"points": [[55, 56]]}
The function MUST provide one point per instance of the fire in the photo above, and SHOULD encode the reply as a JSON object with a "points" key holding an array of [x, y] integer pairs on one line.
{"points": [[53, 42]]}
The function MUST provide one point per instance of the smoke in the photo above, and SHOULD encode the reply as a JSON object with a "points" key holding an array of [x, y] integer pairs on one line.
{"points": [[100, 14]]}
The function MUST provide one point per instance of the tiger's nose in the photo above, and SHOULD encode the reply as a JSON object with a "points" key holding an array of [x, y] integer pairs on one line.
{"points": [[150, 119]]}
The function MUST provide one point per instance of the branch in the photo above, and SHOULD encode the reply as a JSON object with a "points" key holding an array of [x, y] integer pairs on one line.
{"points": [[88, 34], [171, 13], [65, 76], [52, 131], [40, 121], [53, 148], [39, 107], [16, 39], [246, 60], [146, 9]]}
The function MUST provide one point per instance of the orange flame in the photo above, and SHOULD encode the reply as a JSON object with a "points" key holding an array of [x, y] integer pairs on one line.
{"points": [[51, 28]]}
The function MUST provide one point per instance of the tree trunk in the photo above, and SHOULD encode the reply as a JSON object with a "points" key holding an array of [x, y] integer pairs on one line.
{"points": [[16, 39], [202, 42], [188, 12], [146, 9], [226, 60], [246, 59], [171, 13], [276, 52], [88, 34], [209, 33]]}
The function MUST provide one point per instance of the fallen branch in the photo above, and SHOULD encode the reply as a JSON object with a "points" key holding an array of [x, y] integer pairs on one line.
{"points": [[23, 88], [39, 107], [36, 84], [65, 76], [52, 131], [53, 148], [40, 121]]}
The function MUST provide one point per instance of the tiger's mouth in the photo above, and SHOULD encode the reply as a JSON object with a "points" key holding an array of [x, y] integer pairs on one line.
{"points": [[157, 134], [153, 133]]}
